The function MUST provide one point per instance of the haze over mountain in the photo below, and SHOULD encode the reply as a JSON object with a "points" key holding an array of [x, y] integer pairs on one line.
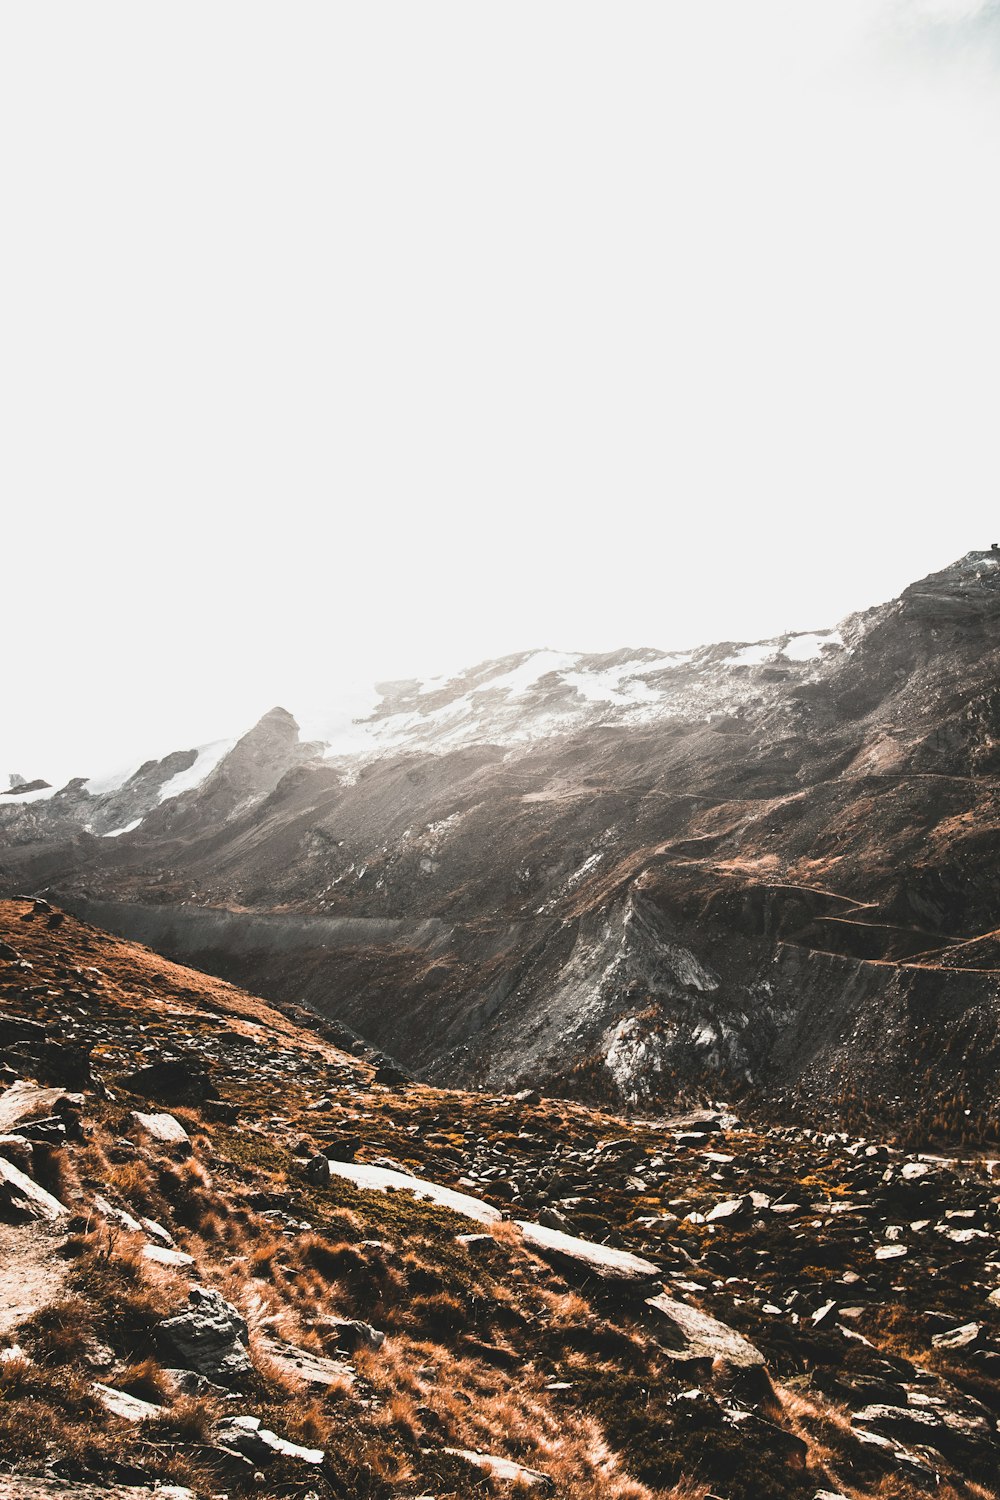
{"points": [[499, 777], [388, 375], [764, 867]]}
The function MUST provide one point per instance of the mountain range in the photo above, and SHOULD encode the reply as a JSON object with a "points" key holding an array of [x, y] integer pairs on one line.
{"points": [[765, 870]]}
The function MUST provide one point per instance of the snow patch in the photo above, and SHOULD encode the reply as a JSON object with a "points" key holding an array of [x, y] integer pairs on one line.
{"points": [[205, 762], [752, 656], [523, 677], [808, 647], [41, 795], [621, 684], [111, 781], [116, 833], [665, 663]]}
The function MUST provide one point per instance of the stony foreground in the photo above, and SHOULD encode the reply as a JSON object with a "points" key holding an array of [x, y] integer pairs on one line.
{"points": [[238, 1259]]}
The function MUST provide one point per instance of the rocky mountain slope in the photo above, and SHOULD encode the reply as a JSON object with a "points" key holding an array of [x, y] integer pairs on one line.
{"points": [[766, 868], [240, 1259]]}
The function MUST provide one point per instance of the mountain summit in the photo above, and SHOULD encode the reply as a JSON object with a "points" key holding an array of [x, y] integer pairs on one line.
{"points": [[769, 866]]}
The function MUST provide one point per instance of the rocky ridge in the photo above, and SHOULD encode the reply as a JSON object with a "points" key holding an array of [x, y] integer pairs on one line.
{"points": [[765, 870]]}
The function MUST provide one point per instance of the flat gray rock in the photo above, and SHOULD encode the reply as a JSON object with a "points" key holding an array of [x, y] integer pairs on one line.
{"points": [[121, 1404], [597, 1260], [247, 1436], [704, 1337], [161, 1256], [385, 1180], [161, 1127], [504, 1469], [22, 1100], [24, 1199], [310, 1367]]}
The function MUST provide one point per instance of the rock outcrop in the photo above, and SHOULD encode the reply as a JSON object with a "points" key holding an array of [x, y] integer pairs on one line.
{"points": [[766, 867]]}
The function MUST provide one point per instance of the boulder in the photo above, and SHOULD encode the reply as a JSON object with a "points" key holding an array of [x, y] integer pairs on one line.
{"points": [[351, 1333], [24, 1100], [504, 1469], [20, 1198], [391, 1076], [210, 1337], [702, 1337], [245, 1435], [17, 1149], [173, 1080], [958, 1338], [733, 1210], [602, 1261], [162, 1128], [341, 1147]]}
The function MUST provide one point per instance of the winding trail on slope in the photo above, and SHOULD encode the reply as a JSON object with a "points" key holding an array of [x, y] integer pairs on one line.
{"points": [[33, 1273]]}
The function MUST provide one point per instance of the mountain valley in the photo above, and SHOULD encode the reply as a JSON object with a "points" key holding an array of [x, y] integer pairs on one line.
{"points": [[766, 870]]}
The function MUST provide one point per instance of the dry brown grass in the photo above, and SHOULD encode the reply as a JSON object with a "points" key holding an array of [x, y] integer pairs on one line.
{"points": [[189, 1419], [479, 1407], [133, 1181], [147, 1380], [437, 1315], [262, 1259], [55, 1171], [60, 1333]]}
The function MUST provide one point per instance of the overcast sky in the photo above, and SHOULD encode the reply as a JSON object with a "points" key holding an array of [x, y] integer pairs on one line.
{"points": [[341, 341]]}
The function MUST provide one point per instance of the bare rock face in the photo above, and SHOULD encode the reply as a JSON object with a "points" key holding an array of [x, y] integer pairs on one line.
{"points": [[22, 1199], [770, 866], [209, 1338], [256, 764], [702, 1337]]}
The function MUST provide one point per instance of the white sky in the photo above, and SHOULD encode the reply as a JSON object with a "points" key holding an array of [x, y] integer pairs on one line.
{"points": [[343, 341]]}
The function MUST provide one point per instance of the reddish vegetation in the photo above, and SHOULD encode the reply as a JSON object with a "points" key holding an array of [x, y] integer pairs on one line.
{"points": [[490, 1348]]}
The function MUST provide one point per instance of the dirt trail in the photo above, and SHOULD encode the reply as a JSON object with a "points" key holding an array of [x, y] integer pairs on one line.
{"points": [[31, 1272]]}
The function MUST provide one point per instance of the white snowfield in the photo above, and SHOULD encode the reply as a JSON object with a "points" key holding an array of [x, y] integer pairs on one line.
{"points": [[530, 671], [549, 693], [41, 795], [208, 757], [752, 656], [516, 703], [116, 833], [810, 647]]}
